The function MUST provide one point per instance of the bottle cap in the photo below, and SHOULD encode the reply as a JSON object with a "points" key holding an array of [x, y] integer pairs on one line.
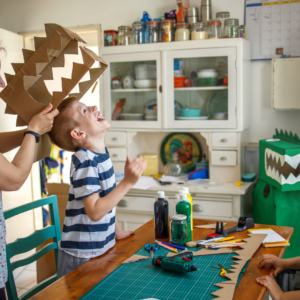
{"points": [[160, 194], [183, 196], [184, 188], [178, 217]]}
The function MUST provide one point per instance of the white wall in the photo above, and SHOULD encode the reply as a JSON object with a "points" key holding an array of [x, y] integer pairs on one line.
{"points": [[28, 15]]}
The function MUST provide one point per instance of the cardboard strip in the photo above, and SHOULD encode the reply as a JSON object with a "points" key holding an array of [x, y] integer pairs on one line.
{"points": [[135, 258], [226, 292]]}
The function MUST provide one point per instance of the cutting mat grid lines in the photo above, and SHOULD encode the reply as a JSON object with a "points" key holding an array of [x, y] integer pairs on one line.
{"points": [[141, 280]]}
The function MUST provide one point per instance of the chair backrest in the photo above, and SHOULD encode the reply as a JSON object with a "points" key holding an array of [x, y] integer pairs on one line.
{"points": [[31, 242]]}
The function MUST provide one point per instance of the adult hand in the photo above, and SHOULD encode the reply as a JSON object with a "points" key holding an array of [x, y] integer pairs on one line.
{"points": [[270, 283], [134, 170], [43, 121], [276, 262]]}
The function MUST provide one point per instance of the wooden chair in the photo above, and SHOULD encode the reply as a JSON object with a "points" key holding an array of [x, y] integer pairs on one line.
{"points": [[31, 242]]}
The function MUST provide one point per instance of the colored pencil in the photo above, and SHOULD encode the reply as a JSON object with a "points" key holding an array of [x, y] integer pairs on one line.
{"points": [[174, 246], [166, 247]]}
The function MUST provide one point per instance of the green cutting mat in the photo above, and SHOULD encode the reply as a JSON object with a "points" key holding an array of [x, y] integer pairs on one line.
{"points": [[141, 280]]}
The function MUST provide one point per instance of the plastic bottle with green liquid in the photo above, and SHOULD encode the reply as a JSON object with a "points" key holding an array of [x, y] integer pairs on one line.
{"points": [[183, 207], [186, 190]]}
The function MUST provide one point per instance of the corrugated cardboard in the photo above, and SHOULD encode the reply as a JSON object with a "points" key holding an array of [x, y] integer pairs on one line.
{"points": [[26, 93], [46, 264]]}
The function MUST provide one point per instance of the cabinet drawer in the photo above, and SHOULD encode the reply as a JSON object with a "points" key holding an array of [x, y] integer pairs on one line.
{"points": [[117, 154], [224, 139], [115, 138], [138, 204], [212, 209], [224, 158]]}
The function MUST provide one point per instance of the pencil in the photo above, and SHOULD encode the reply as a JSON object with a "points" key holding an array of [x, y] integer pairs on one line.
{"points": [[166, 247], [174, 246]]}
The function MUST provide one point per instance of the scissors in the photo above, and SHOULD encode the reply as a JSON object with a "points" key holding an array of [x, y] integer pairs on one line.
{"points": [[151, 249], [223, 270]]}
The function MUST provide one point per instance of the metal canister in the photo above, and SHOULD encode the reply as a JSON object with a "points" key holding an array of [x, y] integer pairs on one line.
{"points": [[192, 15], [205, 11]]}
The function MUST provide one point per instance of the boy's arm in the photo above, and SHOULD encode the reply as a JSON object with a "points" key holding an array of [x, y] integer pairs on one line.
{"points": [[10, 140], [96, 208]]}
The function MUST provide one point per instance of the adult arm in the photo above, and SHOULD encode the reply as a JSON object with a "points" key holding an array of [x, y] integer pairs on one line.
{"points": [[96, 208], [14, 174], [11, 140]]}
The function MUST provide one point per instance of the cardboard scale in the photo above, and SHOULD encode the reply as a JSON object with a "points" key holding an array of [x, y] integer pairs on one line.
{"points": [[27, 92]]}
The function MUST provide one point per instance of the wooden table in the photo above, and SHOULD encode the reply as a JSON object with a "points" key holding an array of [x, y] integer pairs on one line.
{"points": [[81, 280]]}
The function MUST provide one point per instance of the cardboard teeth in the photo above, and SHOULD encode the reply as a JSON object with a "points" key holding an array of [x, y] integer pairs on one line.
{"points": [[26, 93]]}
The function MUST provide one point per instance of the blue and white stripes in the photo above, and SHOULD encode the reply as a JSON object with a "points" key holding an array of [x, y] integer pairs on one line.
{"points": [[91, 173]]}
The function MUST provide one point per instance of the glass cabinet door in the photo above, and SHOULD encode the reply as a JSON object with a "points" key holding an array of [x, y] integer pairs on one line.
{"points": [[200, 88], [131, 90]]}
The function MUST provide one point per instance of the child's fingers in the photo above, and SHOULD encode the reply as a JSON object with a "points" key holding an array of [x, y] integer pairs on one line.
{"points": [[266, 260], [127, 163], [54, 113], [46, 110]]}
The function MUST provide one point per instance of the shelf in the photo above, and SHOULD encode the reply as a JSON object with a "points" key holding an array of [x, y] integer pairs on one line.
{"points": [[132, 90], [202, 88]]}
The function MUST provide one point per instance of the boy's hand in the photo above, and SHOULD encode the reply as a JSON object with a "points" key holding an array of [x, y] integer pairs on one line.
{"points": [[43, 121], [134, 170], [120, 234], [276, 262], [270, 283]]}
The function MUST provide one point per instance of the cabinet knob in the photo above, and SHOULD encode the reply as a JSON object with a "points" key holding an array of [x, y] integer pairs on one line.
{"points": [[223, 158], [115, 155], [123, 203], [114, 139], [224, 141], [160, 88], [197, 208]]}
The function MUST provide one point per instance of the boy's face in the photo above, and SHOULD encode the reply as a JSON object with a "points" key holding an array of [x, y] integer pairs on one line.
{"points": [[88, 118]]}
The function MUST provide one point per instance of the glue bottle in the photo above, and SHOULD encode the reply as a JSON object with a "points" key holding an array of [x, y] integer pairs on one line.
{"points": [[183, 207], [161, 216], [186, 190]]}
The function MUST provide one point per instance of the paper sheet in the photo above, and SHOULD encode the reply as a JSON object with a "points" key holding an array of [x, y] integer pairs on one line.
{"points": [[273, 237], [145, 182]]}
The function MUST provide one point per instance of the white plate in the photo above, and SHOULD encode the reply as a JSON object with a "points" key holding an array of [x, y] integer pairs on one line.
{"points": [[195, 118], [145, 84]]}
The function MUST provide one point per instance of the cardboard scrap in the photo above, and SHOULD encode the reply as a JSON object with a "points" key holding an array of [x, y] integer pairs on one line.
{"points": [[204, 252], [208, 226], [247, 250], [26, 93], [135, 258]]}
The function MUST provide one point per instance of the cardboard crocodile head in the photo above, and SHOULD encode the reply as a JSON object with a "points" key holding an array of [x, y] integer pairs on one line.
{"points": [[280, 161], [58, 68]]}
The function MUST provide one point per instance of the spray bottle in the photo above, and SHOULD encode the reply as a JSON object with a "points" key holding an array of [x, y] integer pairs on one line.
{"points": [[161, 216], [183, 207], [187, 191]]}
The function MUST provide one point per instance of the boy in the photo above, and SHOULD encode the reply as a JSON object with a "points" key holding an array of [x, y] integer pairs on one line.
{"points": [[270, 283], [89, 228]]}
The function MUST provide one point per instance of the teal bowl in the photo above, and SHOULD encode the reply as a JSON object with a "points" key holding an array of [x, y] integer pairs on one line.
{"points": [[190, 112]]}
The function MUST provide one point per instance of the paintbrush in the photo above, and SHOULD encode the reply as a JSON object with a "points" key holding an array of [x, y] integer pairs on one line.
{"points": [[201, 243]]}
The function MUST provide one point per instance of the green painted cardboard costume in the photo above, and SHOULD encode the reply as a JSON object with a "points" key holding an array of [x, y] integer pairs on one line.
{"points": [[276, 197]]}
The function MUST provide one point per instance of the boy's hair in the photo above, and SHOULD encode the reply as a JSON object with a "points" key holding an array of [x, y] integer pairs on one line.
{"points": [[62, 126]]}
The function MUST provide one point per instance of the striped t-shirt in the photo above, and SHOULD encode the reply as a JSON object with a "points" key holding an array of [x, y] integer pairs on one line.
{"points": [[91, 173]]}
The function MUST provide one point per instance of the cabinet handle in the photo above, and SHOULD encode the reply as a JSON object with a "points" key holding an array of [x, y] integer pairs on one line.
{"points": [[114, 139], [224, 141], [223, 158], [160, 88], [115, 155], [123, 203], [197, 208]]}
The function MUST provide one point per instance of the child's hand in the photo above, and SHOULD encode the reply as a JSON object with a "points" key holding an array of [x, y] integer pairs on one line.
{"points": [[134, 169], [276, 262], [270, 283], [120, 234], [43, 121]]}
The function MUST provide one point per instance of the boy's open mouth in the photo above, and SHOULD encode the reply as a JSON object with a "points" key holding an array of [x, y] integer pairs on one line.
{"points": [[98, 117]]}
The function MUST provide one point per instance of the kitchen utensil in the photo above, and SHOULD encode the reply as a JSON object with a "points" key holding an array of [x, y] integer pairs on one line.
{"points": [[220, 116], [128, 82], [207, 77], [205, 11], [192, 15], [217, 103], [145, 71], [179, 82], [191, 118], [144, 84], [190, 112]]}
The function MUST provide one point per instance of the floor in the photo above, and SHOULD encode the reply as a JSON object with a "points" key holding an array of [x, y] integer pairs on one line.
{"points": [[25, 278]]}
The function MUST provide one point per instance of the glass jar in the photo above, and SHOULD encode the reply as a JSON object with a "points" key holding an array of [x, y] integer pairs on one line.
{"points": [[168, 32], [137, 33], [199, 31], [214, 29], [174, 166], [232, 28], [222, 15], [151, 33], [178, 228], [110, 38], [124, 35], [182, 32]]}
